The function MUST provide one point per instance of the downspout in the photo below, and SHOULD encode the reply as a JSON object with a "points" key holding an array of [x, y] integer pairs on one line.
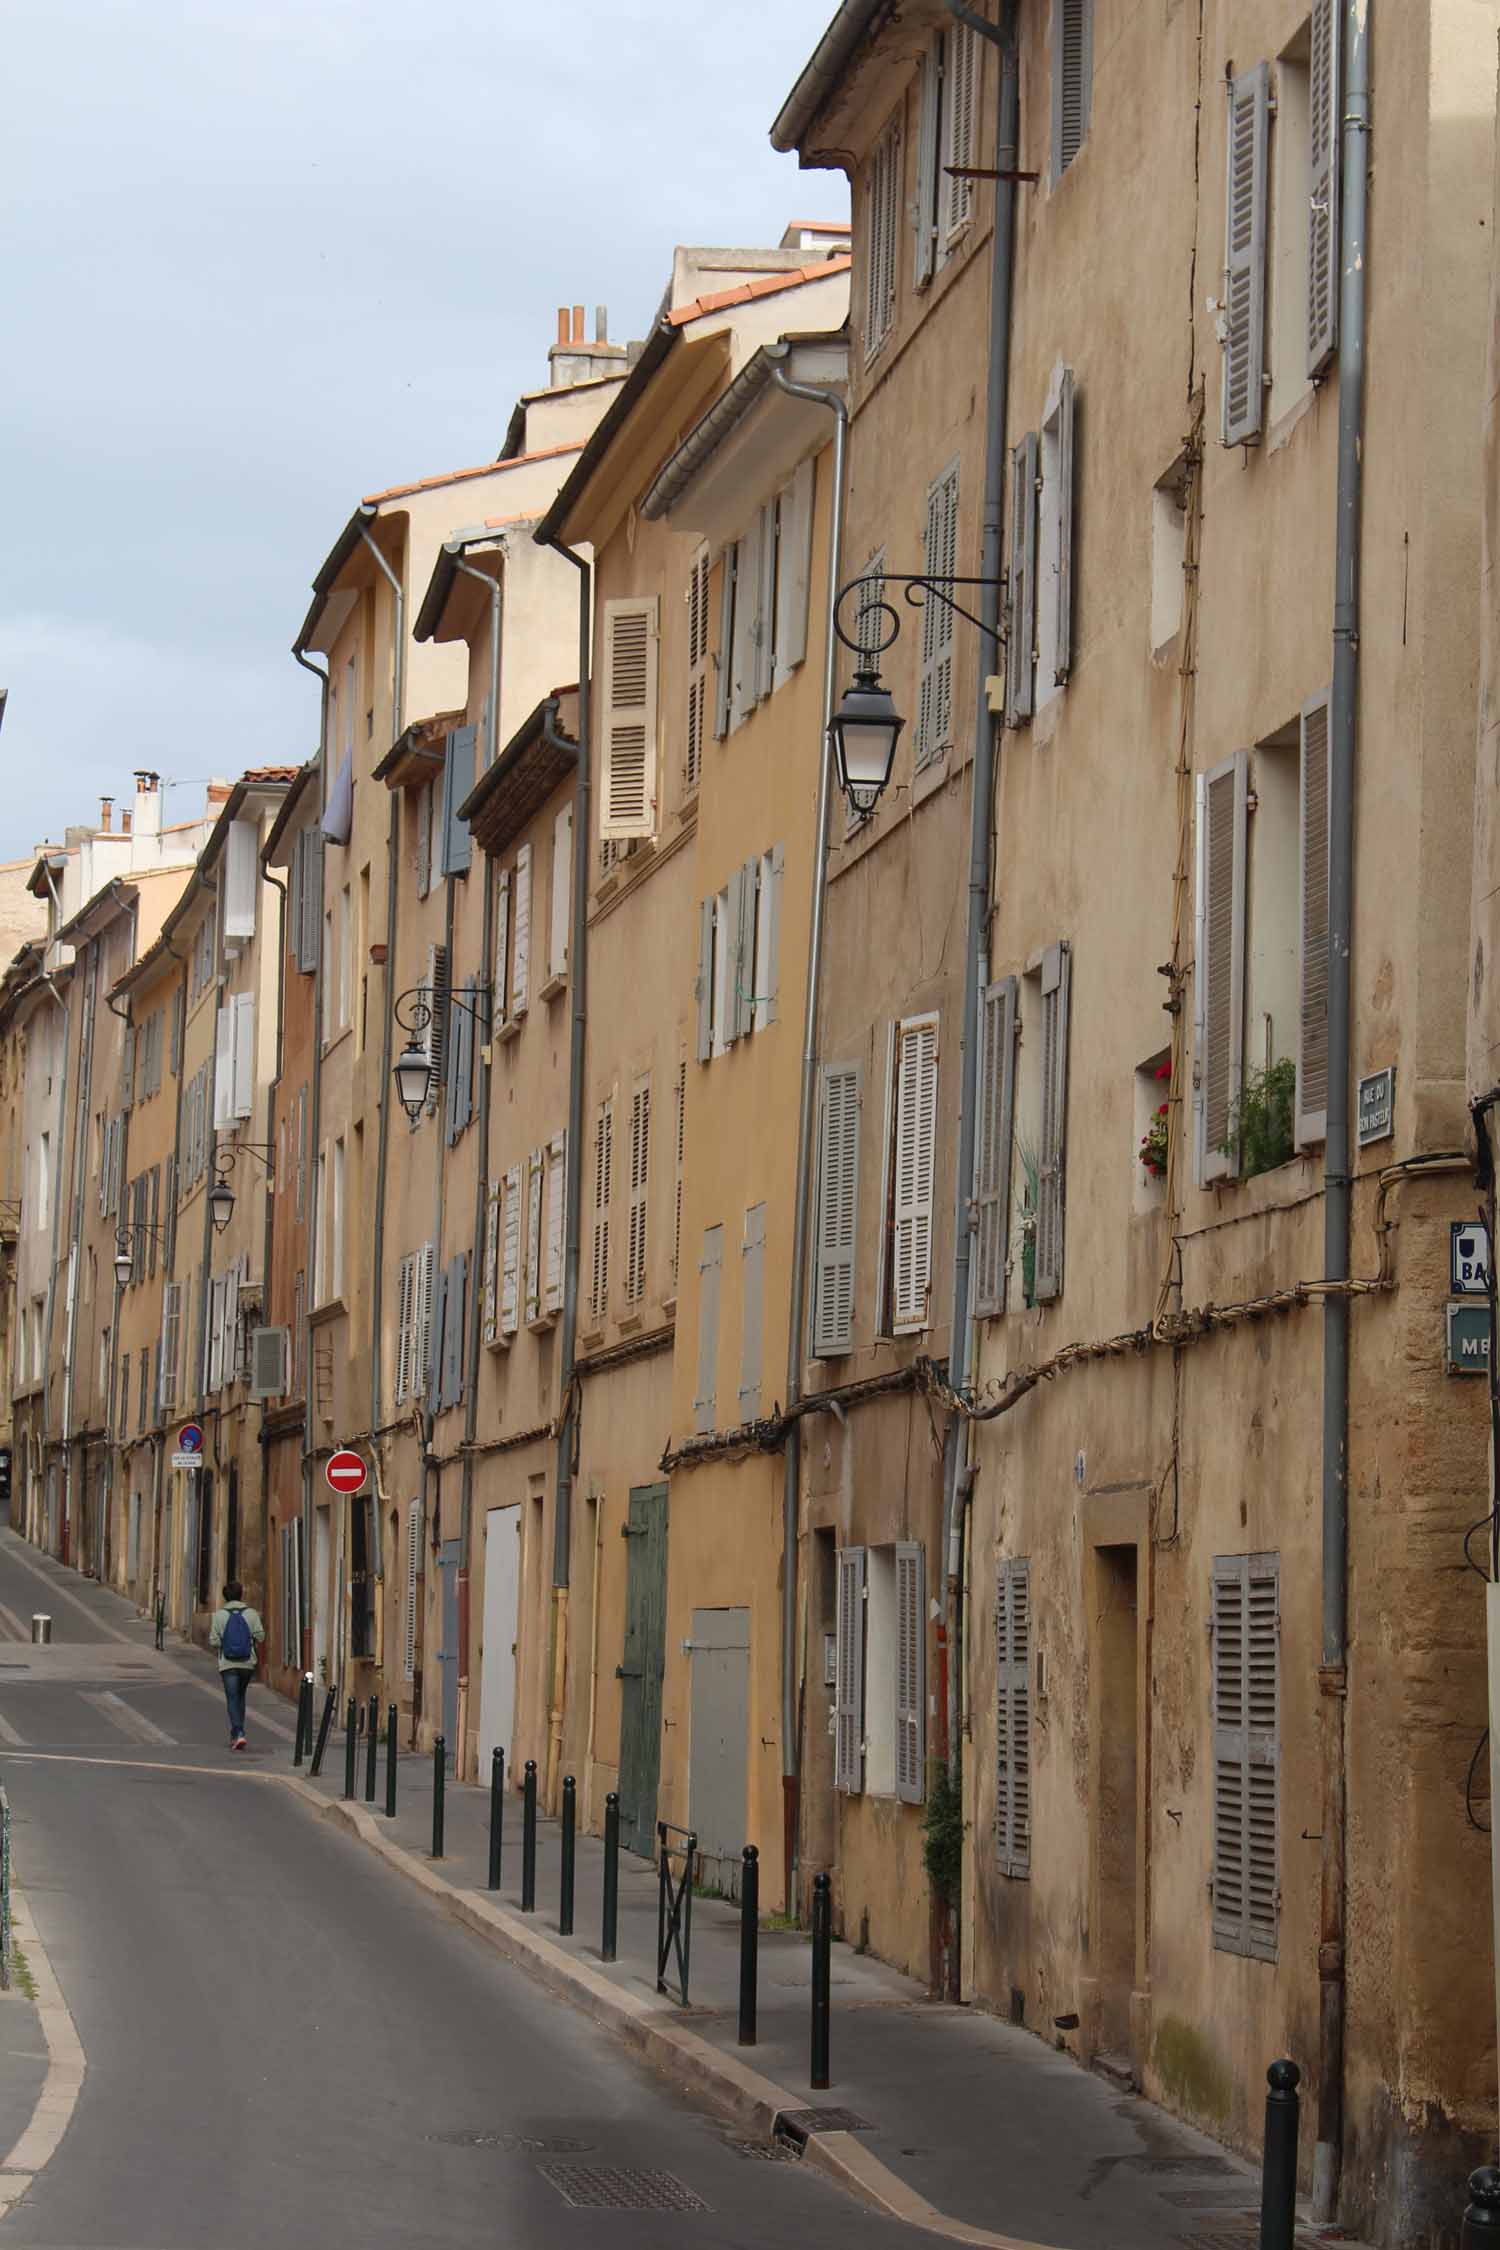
{"points": [[791, 1477], [310, 1207], [568, 1401], [123, 1015], [200, 1341], [393, 862], [75, 1228], [267, 1242], [1332, 1675], [57, 1207]]}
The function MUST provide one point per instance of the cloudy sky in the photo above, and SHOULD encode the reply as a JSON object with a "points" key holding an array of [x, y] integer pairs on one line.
{"points": [[261, 259]]}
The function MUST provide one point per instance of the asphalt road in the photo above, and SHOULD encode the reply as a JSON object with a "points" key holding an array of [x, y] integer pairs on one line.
{"points": [[284, 2043]]}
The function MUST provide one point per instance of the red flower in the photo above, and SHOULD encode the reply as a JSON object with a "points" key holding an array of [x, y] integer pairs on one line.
{"points": [[1164, 1070]]}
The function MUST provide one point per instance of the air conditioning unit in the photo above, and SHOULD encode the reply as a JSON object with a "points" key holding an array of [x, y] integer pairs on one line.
{"points": [[270, 1362]]}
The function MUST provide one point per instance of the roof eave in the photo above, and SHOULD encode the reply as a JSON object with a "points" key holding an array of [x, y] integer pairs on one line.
{"points": [[824, 70], [657, 345]]}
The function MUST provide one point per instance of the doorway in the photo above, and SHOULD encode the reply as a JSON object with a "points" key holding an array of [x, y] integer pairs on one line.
{"points": [[718, 1761], [1116, 1794], [642, 1666], [448, 1557], [497, 1658]]}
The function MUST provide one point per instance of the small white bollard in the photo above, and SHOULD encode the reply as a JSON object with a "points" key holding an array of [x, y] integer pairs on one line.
{"points": [[41, 1628]]}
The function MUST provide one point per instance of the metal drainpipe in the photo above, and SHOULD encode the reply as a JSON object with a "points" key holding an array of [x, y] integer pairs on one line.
{"points": [[1328, 2154], [568, 1404], [268, 1238], [393, 861], [75, 1226], [791, 1483], [314, 1123], [56, 1193], [109, 1447]]}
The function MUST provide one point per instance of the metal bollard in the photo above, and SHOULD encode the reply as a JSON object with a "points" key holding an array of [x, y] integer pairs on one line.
{"points": [[303, 1742], [611, 1934], [41, 1628], [351, 1745], [822, 1977], [439, 1773], [569, 1849], [372, 1744], [1278, 2192], [390, 1763], [1482, 2218], [497, 1814], [161, 1624], [749, 1941], [528, 1840], [323, 1726]]}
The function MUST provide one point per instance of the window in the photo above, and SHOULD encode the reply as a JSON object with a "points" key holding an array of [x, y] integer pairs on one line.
{"points": [[463, 1031], [604, 1142], [490, 1290], [710, 1274], [934, 732], [627, 788], [362, 957], [330, 978], [1072, 79], [739, 940], [562, 903], [510, 1271], [697, 670], [306, 913], [424, 811], [882, 231], [999, 1021], [880, 1672], [413, 1577], [1247, 1750], [911, 1182], [346, 960], [1244, 311], [681, 1111], [1040, 1107], [535, 1179], [501, 1002], [363, 1565], [458, 781], [640, 1168], [1040, 652], [763, 610], [520, 963], [1013, 1717], [836, 1211], [299, 1323], [556, 1224], [946, 146], [335, 1221], [44, 1180], [752, 1310]]}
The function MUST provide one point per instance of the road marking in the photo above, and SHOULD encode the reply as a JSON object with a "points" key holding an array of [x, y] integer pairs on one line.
{"points": [[66, 2065], [9, 1734], [12, 1548], [129, 1720], [139, 1765], [8, 1617]]}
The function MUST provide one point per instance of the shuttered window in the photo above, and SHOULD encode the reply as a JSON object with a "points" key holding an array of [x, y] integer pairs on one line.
{"points": [[793, 573], [1013, 1717], [1052, 1144], [562, 898], [640, 1165], [913, 1162], [957, 137], [520, 959], [1312, 893], [681, 1119], [1057, 506], [535, 1178], [311, 893], [491, 1313], [837, 1211], [849, 1674], [1247, 1753], [502, 948], [604, 1153], [1020, 660], [413, 1574], [710, 1274], [911, 1670], [458, 781], [556, 1222], [510, 1254], [697, 672], [627, 790], [406, 1327], [935, 688], [1072, 79], [1244, 315], [882, 234], [752, 1310], [1324, 124], [171, 1341], [435, 1000], [993, 1142], [1219, 972]]}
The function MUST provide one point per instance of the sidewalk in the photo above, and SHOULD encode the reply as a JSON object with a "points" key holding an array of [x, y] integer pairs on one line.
{"points": [[964, 2124]]}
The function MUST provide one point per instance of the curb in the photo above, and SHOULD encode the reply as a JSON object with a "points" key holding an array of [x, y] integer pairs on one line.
{"points": [[66, 2066], [731, 2088]]}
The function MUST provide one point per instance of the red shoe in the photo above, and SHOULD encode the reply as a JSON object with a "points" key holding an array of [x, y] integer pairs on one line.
{"points": [[238, 1743]]}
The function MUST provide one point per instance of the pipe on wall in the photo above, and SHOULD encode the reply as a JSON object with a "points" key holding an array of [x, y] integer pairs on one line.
{"points": [[313, 1216], [392, 871]]}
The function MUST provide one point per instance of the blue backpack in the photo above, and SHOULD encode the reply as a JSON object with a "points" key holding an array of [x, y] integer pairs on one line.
{"points": [[237, 1642]]}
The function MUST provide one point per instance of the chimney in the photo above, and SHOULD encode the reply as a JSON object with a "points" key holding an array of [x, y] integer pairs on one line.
{"points": [[124, 824], [106, 814], [574, 358], [147, 817], [578, 324], [562, 324]]}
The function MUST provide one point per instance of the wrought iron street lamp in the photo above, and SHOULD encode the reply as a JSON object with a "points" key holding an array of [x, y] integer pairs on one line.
{"points": [[415, 1068], [221, 1194], [864, 730]]}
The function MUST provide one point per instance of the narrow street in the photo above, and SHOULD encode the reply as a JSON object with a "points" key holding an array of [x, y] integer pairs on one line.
{"points": [[280, 2044]]}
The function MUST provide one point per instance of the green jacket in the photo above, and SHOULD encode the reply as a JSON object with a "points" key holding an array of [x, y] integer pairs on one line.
{"points": [[216, 1635]]}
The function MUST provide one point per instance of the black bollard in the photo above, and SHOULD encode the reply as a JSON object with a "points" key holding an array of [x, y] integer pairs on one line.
{"points": [[822, 1978], [439, 1772], [611, 1934], [1278, 2192], [569, 1847], [390, 1763], [161, 1623], [528, 1840], [303, 1742], [351, 1745], [749, 1940], [1482, 2218], [497, 1814], [323, 1726], [372, 1744]]}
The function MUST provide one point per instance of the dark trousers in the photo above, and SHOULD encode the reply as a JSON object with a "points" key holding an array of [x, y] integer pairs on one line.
{"points": [[236, 1682]]}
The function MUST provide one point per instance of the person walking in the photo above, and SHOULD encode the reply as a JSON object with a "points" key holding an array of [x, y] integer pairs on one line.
{"points": [[236, 1632]]}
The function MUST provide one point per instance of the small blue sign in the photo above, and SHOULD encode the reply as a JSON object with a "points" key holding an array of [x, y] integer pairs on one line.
{"points": [[1468, 1350], [190, 1438]]}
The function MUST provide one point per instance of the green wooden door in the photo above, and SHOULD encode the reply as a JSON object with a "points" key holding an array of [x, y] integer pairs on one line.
{"points": [[641, 1668]]}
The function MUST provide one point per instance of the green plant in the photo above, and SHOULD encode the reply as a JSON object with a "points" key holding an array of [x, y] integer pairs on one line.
{"points": [[943, 1832], [1263, 1127], [1030, 1196]]}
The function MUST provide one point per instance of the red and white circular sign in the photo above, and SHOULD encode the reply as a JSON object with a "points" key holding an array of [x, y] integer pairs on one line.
{"points": [[346, 1472]]}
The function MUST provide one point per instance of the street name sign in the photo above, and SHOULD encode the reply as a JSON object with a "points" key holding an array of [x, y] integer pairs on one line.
{"points": [[1469, 1258], [1468, 1340]]}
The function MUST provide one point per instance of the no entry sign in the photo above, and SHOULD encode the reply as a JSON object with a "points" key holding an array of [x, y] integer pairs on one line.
{"points": [[345, 1472]]}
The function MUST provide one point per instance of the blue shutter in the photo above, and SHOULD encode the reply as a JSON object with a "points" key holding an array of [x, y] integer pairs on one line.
{"points": [[435, 1365], [458, 780]]}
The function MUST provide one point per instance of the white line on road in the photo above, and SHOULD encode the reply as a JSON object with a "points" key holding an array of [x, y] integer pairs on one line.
{"points": [[129, 1720], [9, 1734], [12, 1548], [138, 1765], [65, 2068], [9, 1618]]}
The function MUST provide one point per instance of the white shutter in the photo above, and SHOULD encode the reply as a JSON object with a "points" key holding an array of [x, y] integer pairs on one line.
{"points": [[1324, 125], [424, 802], [837, 1211], [627, 784], [793, 571], [557, 1176], [1052, 1152], [929, 185], [1020, 655], [911, 1669], [697, 676], [710, 1274], [520, 969], [241, 880], [1244, 315], [562, 892], [914, 1166], [268, 1363], [409, 1606], [244, 1054], [849, 1674], [421, 1321], [744, 654], [935, 687], [534, 1170], [960, 101], [885, 182], [765, 603], [724, 654], [502, 948], [1013, 1718], [171, 1342], [992, 1144], [491, 1302], [1246, 1753], [214, 1376], [1219, 964], [744, 890], [1072, 79], [703, 990], [229, 1305], [1063, 591], [603, 1180], [510, 1269], [404, 1319], [224, 1112], [752, 1310], [1312, 915], [640, 1166]]}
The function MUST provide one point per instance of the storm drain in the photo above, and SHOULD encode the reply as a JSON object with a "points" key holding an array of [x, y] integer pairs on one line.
{"points": [[768, 2152], [512, 2143], [1239, 2200], [620, 2187], [1218, 2166], [1222, 2238], [806, 2121]]}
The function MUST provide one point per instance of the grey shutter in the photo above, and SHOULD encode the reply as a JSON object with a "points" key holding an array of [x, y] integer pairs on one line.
{"points": [[935, 687], [849, 1674], [771, 520], [311, 933], [837, 1211], [423, 808], [439, 1029], [1245, 255], [911, 1665], [1219, 970], [703, 990], [710, 1267], [1052, 1154], [1013, 1717], [175, 1004], [458, 781], [294, 895], [961, 67], [724, 655], [794, 571], [1066, 424], [127, 1069], [925, 209], [1263, 1752], [1312, 915], [456, 1327], [1230, 1883], [992, 1146], [1072, 79], [742, 1014], [1020, 664], [1324, 124], [752, 1299], [770, 907], [435, 1363]]}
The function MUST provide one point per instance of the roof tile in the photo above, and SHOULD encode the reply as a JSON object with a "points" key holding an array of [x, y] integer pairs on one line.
{"points": [[768, 286]]}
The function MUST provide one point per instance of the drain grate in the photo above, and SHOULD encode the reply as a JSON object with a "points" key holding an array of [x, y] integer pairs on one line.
{"points": [[620, 2187], [1222, 2238], [1240, 2200], [511, 2143], [1219, 2167], [823, 2121], [769, 2152]]}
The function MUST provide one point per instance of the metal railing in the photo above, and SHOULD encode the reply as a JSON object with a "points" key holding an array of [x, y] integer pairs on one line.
{"points": [[674, 1905]]}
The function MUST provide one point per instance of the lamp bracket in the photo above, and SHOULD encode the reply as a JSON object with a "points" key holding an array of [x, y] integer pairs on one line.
{"points": [[916, 588], [415, 1012]]}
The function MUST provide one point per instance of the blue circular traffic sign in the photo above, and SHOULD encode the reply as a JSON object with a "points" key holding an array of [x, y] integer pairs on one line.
{"points": [[190, 1438]]}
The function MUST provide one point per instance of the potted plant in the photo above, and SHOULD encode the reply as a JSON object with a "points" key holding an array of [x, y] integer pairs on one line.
{"points": [[1153, 1149]]}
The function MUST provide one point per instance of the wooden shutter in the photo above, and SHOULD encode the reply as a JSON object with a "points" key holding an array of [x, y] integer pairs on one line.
{"points": [[935, 687], [1244, 313], [1324, 125], [768, 972], [534, 1170], [885, 183], [510, 1264], [501, 1002], [627, 790], [677, 1200], [268, 1363], [422, 804], [911, 1669], [223, 1067], [849, 1674], [1219, 972], [557, 1176], [752, 1307], [244, 1054], [406, 1308], [1013, 1717], [744, 888], [640, 1165], [171, 1341], [1052, 1152], [423, 1310], [793, 571], [413, 1571], [1246, 1753], [435, 999], [703, 990], [310, 934], [604, 1145], [1063, 592], [438, 1288], [913, 1171], [765, 602], [153, 1224], [1072, 79], [458, 781], [744, 649], [837, 1211], [724, 655], [993, 1142], [1020, 659], [960, 98], [697, 670], [492, 1202], [931, 191], [520, 966], [456, 1326], [562, 893], [710, 1267], [1312, 915]]}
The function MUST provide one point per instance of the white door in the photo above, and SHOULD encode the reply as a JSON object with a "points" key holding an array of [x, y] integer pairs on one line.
{"points": [[502, 1596], [322, 1566]]}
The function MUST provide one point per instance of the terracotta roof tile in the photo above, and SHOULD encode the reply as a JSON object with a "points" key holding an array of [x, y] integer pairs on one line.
{"points": [[458, 476], [270, 773], [766, 287]]}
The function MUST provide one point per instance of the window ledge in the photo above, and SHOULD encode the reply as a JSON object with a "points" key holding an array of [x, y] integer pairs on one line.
{"points": [[630, 1324], [510, 1029], [554, 985], [501, 1341], [345, 1031], [332, 1308], [539, 1323], [589, 1339], [930, 777], [669, 1307]]}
